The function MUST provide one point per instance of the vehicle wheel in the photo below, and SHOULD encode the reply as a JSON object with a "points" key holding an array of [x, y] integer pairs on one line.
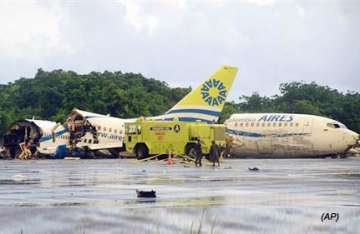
{"points": [[141, 151]]}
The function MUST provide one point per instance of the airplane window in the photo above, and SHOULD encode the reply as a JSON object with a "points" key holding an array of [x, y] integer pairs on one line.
{"points": [[285, 124], [280, 124], [105, 129], [263, 124], [99, 128], [241, 124], [115, 130], [236, 124], [110, 129], [297, 124], [89, 141], [257, 124], [291, 124], [274, 124], [269, 124], [252, 124], [85, 140], [333, 125], [247, 124]]}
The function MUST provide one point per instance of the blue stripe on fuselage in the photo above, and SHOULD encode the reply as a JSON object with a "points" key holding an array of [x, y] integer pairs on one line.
{"points": [[49, 137], [197, 111], [243, 133], [254, 134], [189, 119]]}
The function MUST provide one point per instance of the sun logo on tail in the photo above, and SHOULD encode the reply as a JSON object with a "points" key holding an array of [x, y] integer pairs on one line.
{"points": [[213, 92]]}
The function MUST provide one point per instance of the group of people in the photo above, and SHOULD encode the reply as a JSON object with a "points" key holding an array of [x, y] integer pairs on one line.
{"points": [[214, 154]]}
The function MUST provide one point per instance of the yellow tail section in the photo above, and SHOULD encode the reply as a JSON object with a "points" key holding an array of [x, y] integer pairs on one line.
{"points": [[213, 92], [207, 100]]}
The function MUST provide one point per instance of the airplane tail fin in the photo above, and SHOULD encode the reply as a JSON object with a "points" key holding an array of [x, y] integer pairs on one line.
{"points": [[205, 102]]}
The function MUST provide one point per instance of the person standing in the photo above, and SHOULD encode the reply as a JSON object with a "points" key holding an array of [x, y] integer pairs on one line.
{"points": [[198, 153], [214, 153]]}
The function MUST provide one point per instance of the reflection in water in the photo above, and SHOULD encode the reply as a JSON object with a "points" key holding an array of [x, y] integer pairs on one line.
{"points": [[65, 204], [146, 200], [19, 182]]}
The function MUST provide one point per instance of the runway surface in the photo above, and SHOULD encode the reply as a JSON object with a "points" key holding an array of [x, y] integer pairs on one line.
{"points": [[98, 196]]}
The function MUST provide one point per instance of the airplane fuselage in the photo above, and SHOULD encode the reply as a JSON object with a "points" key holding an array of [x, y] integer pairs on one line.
{"points": [[287, 135]]}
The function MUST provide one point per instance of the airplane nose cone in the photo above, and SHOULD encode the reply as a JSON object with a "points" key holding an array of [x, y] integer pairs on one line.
{"points": [[356, 139], [353, 139]]}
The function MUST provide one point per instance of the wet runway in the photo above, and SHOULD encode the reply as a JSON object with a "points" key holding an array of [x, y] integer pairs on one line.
{"points": [[98, 196]]}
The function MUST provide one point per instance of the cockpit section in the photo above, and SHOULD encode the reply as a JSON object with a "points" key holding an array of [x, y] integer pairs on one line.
{"points": [[336, 125]]}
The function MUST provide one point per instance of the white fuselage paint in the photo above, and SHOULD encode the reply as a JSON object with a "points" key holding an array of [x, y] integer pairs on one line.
{"points": [[47, 144], [287, 135], [110, 133]]}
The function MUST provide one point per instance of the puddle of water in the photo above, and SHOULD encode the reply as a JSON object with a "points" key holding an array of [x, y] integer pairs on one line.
{"points": [[19, 182]]}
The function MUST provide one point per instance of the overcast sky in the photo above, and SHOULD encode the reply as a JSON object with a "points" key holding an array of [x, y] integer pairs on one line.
{"points": [[183, 42]]}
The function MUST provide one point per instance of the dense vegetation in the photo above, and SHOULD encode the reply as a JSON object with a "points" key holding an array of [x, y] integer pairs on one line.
{"points": [[52, 95]]}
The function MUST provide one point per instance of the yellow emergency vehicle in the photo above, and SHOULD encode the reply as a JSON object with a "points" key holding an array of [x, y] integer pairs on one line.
{"points": [[152, 137]]}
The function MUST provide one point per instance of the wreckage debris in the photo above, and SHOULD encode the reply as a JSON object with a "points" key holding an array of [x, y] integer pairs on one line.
{"points": [[146, 194]]}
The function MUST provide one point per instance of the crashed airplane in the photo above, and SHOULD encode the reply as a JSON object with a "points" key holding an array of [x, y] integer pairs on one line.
{"points": [[279, 135]]}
